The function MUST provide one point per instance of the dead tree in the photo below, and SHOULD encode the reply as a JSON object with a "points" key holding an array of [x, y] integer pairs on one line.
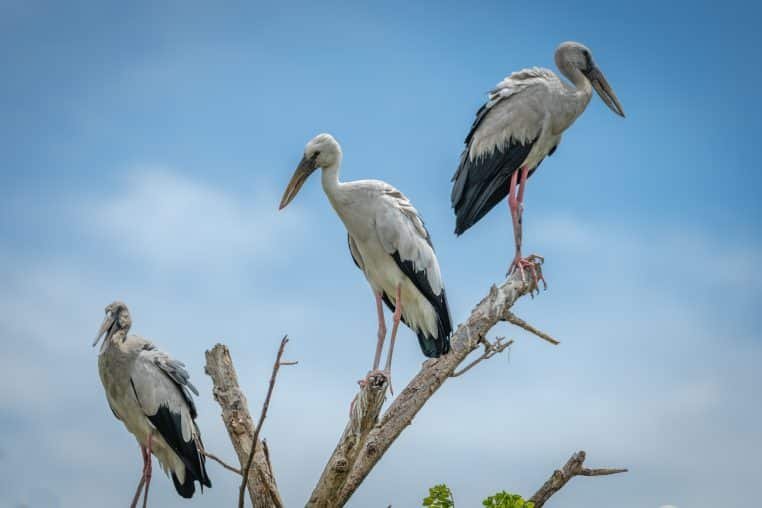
{"points": [[368, 434]]}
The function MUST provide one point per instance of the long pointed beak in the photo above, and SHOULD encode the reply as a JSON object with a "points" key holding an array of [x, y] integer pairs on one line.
{"points": [[302, 172], [605, 91], [105, 328]]}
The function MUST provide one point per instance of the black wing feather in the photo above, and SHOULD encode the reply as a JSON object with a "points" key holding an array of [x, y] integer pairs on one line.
{"points": [[431, 346], [169, 425], [481, 183]]}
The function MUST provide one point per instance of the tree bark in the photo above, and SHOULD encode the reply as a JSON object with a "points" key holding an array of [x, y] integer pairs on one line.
{"points": [[357, 454], [560, 477], [263, 490]]}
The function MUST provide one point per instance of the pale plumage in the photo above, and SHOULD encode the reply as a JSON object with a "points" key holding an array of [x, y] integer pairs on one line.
{"points": [[389, 243], [520, 124], [151, 394]]}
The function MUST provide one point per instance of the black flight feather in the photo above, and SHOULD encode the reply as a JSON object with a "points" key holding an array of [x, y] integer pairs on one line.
{"points": [[431, 347], [482, 182], [169, 426]]}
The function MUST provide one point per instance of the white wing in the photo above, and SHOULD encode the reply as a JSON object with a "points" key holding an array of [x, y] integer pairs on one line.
{"points": [[162, 388], [403, 235], [516, 110]]}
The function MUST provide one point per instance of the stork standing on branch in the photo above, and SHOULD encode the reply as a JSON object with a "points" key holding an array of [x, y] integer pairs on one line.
{"points": [[522, 123], [150, 393], [389, 243]]}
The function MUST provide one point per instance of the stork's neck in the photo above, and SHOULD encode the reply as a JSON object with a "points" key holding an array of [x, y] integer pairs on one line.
{"points": [[330, 179], [577, 97]]}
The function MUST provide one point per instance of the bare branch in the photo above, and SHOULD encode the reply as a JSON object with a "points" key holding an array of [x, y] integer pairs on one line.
{"points": [[335, 490], [490, 350], [363, 415], [263, 491], [515, 320], [560, 477], [222, 463], [262, 416]]}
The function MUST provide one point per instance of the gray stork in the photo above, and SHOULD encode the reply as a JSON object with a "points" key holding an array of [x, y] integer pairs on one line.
{"points": [[520, 124], [390, 244], [150, 393]]}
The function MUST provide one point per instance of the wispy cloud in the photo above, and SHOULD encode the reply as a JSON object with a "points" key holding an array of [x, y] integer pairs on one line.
{"points": [[684, 251], [177, 223]]}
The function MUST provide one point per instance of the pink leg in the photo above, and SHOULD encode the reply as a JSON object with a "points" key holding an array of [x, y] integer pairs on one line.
{"points": [[381, 330], [142, 482], [395, 325], [148, 470], [513, 205], [379, 346], [516, 204]]}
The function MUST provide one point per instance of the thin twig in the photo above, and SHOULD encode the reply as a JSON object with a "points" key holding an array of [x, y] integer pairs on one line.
{"points": [[601, 471], [560, 477], [513, 319], [490, 350], [221, 462], [262, 415]]}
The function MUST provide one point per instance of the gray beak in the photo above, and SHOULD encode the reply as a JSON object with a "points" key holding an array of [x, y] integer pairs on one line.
{"points": [[604, 90], [302, 172], [106, 328]]}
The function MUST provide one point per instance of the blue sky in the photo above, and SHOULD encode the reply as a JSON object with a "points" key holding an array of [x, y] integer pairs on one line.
{"points": [[144, 151]]}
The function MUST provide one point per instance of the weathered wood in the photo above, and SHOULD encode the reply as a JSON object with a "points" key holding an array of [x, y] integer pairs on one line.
{"points": [[335, 489], [263, 490], [560, 477], [363, 415]]}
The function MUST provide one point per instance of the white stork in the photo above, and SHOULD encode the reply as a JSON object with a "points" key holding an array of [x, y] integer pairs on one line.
{"points": [[522, 123], [150, 393], [389, 243]]}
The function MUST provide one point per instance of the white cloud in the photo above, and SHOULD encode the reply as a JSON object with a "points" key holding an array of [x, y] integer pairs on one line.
{"points": [[672, 399], [679, 251], [175, 222]]}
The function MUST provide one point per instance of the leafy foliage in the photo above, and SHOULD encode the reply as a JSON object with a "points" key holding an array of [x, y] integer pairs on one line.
{"points": [[505, 500], [440, 496]]}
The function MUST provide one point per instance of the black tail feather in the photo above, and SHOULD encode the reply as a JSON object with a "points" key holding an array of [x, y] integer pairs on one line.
{"points": [[187, 488]]}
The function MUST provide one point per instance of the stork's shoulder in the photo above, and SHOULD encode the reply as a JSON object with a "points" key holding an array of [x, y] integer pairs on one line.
{"points": [[375, 188], [533, 76], [151, 361]]}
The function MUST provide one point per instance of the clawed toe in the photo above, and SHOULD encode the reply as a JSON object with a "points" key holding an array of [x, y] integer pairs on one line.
{"points": [[533, 264]]}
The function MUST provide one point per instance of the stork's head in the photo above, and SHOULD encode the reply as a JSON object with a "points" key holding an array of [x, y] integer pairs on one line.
{"points": [[574, 57], [322, 151], [117, 320]]}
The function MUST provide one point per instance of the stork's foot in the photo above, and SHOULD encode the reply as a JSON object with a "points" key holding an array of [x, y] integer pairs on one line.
{"points": [[376, 378], [533, 265]]}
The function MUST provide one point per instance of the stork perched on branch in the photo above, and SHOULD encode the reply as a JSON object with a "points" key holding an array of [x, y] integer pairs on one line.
{"points": [[150, 393], [389, 243], [522, 123]]}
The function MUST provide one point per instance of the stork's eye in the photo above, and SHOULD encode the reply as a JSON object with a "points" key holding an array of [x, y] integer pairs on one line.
{"points": [[315, 155]]}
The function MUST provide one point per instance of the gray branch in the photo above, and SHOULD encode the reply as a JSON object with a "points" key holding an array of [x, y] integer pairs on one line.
{"points": [[560, 477], [263, 490], [359, 451]]}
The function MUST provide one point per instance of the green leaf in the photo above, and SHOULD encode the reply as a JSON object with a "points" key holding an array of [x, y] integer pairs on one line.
{"points": [[439, 496]]}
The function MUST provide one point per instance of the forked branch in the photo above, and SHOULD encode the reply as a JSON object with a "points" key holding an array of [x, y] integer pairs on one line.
{"points": [[333, 490], [263, 490], [560, 477], [262, 416]]}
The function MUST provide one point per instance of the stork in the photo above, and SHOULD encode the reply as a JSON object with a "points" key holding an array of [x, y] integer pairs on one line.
{"points": [[520, 124], [150, 393], [390, 244]]}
